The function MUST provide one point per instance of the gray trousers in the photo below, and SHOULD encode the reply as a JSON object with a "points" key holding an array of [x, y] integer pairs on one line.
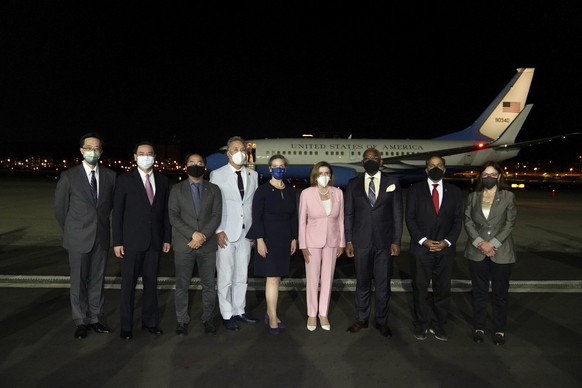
{"points": [[87, 279], [184, 263]]}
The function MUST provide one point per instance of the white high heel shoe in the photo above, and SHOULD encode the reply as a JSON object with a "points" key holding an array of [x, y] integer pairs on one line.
{"points": [[325, 327], [311, 327]]}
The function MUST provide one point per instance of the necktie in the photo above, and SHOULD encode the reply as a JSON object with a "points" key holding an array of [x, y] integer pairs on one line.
{"points": [[372, 191], [93, 186], [196, 196], [435, 197], [241, 187], [149, 190]]}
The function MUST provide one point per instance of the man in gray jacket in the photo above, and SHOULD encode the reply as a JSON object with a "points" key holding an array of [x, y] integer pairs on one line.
{"points": [[83, 202], [195, 208]]}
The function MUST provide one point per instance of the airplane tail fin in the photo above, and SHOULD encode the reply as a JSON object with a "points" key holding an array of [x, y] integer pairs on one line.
{"points": [[502, 111]]}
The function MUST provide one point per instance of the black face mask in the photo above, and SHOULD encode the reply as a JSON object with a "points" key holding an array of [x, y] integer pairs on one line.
{"points": [[371, 166], [489, 182], [196, 171], [435, 174]]}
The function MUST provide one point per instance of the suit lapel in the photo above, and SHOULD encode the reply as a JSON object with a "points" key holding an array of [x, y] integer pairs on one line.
{"points": [[203, 189], [103, 184], [360, 190], [445, 200], [318, 200], [496, 205], [381, 194], [246, 181]]}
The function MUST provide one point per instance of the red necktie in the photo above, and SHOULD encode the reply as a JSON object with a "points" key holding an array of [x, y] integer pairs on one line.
{"points": [[435, 197]]}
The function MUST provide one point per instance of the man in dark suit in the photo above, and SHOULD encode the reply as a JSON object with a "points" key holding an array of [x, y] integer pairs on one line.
{"points": [[83, 202], [195, 209], [434, 217], [141, 229], [373, 226]]}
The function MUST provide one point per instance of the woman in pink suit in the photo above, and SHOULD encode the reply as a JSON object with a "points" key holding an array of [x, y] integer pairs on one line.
{"points": [[321, 240]]}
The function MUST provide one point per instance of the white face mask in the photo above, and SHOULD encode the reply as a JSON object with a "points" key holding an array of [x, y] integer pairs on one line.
{"points": [[239, 158], [145, 161], [323, 180]]}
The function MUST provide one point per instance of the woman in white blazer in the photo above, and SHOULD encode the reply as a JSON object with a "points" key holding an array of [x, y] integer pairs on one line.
{"points": [[321, 240]]}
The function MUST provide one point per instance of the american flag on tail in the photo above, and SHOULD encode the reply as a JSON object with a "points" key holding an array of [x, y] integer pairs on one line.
{"points": [[511, 107]]}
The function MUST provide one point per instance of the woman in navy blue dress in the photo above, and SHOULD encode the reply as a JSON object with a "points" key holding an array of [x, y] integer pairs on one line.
{"points": [[275, 229]]}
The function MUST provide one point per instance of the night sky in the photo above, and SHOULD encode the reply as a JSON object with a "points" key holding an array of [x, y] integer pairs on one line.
{"points": [[195, 77]]}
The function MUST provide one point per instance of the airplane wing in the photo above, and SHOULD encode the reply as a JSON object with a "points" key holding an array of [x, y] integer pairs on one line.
{"points": [[534, 142], [418, 159]]}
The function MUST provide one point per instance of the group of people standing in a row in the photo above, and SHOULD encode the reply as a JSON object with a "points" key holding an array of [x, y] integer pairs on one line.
{"points": [[217, 222]]}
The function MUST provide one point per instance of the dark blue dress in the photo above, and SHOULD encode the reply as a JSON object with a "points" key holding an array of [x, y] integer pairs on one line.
{"points": [[274, 220]]}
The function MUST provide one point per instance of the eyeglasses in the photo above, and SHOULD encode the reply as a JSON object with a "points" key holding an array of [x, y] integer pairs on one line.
{"points": [[97, 149], [495, 175]]}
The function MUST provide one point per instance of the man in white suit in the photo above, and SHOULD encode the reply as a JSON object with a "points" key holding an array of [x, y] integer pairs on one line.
{"points": [[237, 184]]}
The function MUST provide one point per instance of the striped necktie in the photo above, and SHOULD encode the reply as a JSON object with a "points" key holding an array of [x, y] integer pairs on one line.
{"points": [[93, 186], [372, 191]]}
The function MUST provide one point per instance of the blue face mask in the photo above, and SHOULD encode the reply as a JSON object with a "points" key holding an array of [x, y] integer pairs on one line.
{"points": [[279, 172]]}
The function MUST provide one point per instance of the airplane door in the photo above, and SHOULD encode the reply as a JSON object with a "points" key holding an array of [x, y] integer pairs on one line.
{"points": [[354, 156], [467, 159]]}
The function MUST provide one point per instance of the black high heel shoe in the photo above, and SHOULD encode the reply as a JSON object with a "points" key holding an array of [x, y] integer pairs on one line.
{"points": [[280, 325]]}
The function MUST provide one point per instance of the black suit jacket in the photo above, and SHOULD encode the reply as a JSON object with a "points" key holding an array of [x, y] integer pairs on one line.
{"points": [[379, 225], [137, 225], [423, 221]]}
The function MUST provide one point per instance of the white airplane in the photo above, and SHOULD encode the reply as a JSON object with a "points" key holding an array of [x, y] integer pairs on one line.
{"points": [[491, 137]]}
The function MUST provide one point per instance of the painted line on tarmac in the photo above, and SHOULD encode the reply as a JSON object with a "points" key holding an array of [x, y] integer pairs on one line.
{"points": [[289, 284]]}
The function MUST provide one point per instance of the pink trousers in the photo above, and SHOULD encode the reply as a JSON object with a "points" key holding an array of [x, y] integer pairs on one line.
{"points": [[319, 275]]}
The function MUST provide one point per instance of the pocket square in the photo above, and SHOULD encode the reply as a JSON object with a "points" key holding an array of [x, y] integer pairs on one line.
{"points": [[390, 188]]}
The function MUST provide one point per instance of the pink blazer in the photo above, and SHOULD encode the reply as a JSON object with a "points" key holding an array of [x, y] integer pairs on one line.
{"points": [[317, 229]]}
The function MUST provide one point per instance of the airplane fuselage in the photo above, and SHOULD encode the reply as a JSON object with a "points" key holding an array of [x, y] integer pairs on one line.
{"points": [[349, 152]]}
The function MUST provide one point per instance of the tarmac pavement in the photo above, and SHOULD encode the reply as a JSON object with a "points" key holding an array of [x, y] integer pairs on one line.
{"points": [[544, 333]]}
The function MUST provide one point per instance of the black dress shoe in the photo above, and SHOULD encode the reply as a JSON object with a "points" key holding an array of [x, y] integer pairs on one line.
{"points": [[126, 335], [384, 330], [439, 333], [479, 336], [499, 338], [153, 329], [182, 329], [357, 326], [209, 328], [420, 333], [100, 328], [245, 318], [81, 332], [231, 324]]}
